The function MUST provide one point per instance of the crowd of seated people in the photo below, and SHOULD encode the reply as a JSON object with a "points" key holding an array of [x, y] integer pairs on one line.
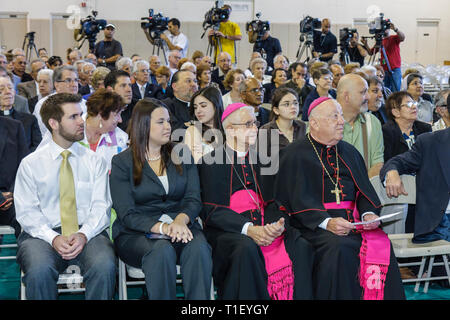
{"points": [[132, 148]]}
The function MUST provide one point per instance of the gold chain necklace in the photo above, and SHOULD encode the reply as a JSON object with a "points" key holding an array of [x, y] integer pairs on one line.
{"points": [[336, 190]]}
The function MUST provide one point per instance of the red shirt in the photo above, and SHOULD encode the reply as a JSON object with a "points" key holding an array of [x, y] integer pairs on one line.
{"points": [[392, 47]]}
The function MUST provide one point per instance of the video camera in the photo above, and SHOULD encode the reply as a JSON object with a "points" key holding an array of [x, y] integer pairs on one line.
{"points": [[155, 23], [89, 28], [345, 35], [256, 29], [307, 26], [378, 27], [215, 16]]}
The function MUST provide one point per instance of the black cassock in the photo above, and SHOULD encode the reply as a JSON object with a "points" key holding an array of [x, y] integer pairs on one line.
{"points": [[302, 187], [238, 263]]}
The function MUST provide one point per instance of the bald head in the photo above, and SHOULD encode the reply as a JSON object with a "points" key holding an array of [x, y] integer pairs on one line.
{"points": [[352, 94], [326, 122], [326, 25]]}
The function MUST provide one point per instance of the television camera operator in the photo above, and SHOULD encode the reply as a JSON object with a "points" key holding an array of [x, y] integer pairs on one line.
{"points": [[173, 40], [391, 43], [349, 42], [223, 37], [325, 42], [268, 46]]}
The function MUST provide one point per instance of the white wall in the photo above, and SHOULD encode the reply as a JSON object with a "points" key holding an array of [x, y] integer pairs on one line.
{"points": [[404, 13]]}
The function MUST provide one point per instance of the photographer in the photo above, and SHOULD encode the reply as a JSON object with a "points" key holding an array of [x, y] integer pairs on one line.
{"points": [[174, 40], [391, 44], [356, 51], [268, 46], [325, 43], [108, 50], [228, 33]]}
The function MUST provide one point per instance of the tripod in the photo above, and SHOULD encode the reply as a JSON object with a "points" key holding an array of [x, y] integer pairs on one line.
{"points": [[305, 47], [158, 45], [213, 45], [382, 51], [30, 46], [345, 57]]}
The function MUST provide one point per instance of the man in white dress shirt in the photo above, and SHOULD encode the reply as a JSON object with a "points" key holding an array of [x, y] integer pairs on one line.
{"points": [[63, 203]]}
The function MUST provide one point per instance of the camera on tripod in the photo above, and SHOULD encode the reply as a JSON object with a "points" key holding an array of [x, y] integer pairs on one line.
{"points": [[379, 26], [307, 27], [89, 28], [345, 35], [155, 23], [256, 29], [30, 36], [215, 16]]}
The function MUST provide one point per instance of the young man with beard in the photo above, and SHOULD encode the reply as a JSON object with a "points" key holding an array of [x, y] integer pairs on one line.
{"points": [[63, 208]]}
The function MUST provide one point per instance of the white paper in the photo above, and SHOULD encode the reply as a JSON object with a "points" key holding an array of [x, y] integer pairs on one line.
{"points": [[378, 219]]}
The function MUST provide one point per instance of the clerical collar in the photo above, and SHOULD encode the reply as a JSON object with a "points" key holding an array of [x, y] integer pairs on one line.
{"points": [[240, 154], [186, 102], [319, 143], [7, 112]]}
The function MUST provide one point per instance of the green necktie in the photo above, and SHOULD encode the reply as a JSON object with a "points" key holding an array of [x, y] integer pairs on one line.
{"points": [[67, 200]]}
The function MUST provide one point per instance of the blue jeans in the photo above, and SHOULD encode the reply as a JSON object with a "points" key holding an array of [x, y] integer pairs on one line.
{"points": [[394, 81], [42, 265], [442, 232]]}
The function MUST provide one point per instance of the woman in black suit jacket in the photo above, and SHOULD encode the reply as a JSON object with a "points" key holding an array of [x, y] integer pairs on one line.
{"points": [[157, 202], [403, 128]]}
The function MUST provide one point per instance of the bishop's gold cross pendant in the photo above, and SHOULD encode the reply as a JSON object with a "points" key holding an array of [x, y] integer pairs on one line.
{"points": [[336, 191]]}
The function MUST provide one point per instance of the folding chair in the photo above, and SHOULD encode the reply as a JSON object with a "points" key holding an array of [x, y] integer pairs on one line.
{"points": [[138, 279], [4, 230], [405, 248]]}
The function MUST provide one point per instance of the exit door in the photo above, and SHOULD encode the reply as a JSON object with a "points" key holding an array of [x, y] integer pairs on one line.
{"points": [[426, 45]]}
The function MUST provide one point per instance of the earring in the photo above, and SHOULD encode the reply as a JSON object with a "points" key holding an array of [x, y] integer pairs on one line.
{"points": [[100, 125]]}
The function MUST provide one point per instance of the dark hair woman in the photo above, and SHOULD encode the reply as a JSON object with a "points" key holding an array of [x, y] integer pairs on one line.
{"points": [[206, 110], [157, 203]]}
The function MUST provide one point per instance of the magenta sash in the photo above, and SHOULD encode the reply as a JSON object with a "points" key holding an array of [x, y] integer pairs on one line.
{"points": [[280, 282], [374, 255]]}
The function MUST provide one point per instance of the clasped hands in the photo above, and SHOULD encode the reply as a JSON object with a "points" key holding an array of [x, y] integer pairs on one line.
{"points": [[9, 201], [69, 247], [264, 235], [178, 229]]}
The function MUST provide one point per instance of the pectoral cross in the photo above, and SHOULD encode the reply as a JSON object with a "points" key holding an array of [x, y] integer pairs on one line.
{"points": [[336, 191]]}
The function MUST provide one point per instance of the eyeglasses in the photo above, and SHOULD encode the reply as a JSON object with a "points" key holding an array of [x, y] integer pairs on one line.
{"points": [[410, 104], [145, 71], [257, 90], [248, 124], [69, 80]]}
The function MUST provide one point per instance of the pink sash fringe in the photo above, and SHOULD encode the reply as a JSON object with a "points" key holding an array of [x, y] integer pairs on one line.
{"points": [[374, 255], [280, 282]]}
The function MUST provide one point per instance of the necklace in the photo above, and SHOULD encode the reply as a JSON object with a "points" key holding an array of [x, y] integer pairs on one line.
{"points": [[336, 190], [242, 182], [155, 158]]}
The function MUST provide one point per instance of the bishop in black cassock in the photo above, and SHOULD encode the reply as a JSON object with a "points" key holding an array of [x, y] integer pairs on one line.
{"points": [[305, 188], [233, 198]]}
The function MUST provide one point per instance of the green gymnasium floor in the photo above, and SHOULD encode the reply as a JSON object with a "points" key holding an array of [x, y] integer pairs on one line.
{"points": [[10, 283]]}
